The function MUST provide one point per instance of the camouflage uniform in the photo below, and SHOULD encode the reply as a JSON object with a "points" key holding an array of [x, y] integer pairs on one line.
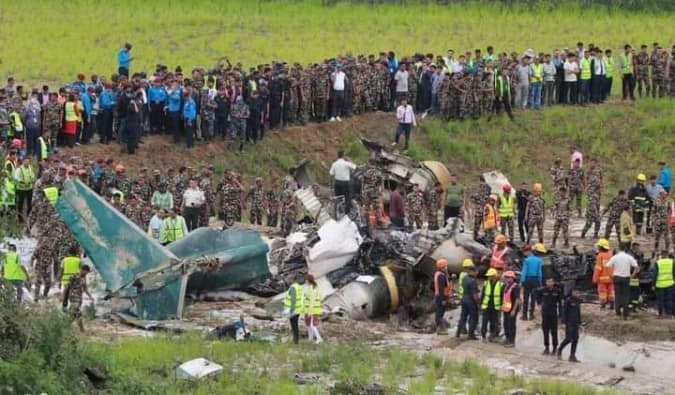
{"points": [[433, 205], [660, 74], [535, 217], [413, 84], [257, 196], [44, 264], [142, 190], [415, 202], [660, 216], [487, 94], [123, 183], [179, 186], [592, 216], [475, 96], [208, 115], [370, 190], [562, 220], [478, 200], [444, 98], [53, 115], [289, 211], [76, 287], [306, 99], [384, 79], [135, 213], [465, 96], [319, 91], [357, 90], [559, 177], [615, 208], [455, 96], [230, 200], [642, 69], [272, 200], [207, 187], [576, 185], [294, 100]]}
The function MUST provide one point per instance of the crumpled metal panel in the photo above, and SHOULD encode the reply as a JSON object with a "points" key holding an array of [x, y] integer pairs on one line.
{"points": [[117, 248]]}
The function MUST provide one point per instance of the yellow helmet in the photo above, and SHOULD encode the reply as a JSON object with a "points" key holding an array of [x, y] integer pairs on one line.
{"points": [[603, 243], [641, 177], [467, 263], [540, 247], [491, 272]]}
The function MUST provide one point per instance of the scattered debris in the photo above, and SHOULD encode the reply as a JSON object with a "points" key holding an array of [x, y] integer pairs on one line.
{"points": [[629, 368], [612, 381], [612, 365], [198, 369]]}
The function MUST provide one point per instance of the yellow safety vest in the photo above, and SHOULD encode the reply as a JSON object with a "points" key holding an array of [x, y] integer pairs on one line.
{"points": [[52, 194], [664, 278], [313, 301], [12, 270], [27, 179], [17, 125], [505, 206], [627, 66], [10, 193], [609, 67], [71, 267], [174, 229], [44, 150], [299, 299], [585, 66], [496, 294], [537, 72], [460, 287], [490, 220], [71, 115]]}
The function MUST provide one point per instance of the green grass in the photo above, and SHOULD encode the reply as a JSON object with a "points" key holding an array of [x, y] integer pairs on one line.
{"points": [[66, 38]]}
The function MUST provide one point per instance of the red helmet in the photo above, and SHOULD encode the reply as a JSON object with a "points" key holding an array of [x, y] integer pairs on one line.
{"points": [[506, 188]]}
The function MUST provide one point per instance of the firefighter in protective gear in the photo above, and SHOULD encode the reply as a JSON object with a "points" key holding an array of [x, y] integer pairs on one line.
{"points": [[640, 200], [490, 217], [466, 265], [441, 292], [491, 305], [602, 275], [470, 301], [498, 258]]}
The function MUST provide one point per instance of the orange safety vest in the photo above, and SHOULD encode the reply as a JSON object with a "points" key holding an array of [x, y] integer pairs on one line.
{"points": [[602, 274], [506, 302], [490, 220], [446, 290], [497, 258]]}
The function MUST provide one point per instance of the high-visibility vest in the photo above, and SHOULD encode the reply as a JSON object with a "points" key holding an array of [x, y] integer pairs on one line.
{"points": [[9, 196], [299, 298], [497, 258], [44, 149], [602, 274], [490, 220], [71, 267], [52, 194], [585, 66], [15, 121], [460, 286], [507, 304], [609, 67], [495, 293], [174, 228], [313, 301], [11, 269], [71, 115], [446, 290], [627, 66], [664, 279], [634, 282], [26, 180], [537, 70], [10, 167], [505, 206]]}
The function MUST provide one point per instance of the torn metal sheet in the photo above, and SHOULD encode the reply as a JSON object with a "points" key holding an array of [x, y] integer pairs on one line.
{"points": [[496, 180], [198, 369], [316, 210], [339, 242], [366, 297]]}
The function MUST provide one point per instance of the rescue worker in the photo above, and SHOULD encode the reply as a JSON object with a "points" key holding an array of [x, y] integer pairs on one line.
{"points": [[470, 300], [624, 268], [478, 199], [602, 275], [550, 298], [490, 218], [14, 272], [639, 198], [627, 229], [535, 214], [441, 293], [313, 309], [499, 259], [507, 211], [294, 305], [510, 307], [522, 197], [491, 305], [77, 286], [173, 227], [70, 267], [531, 278], [663, 284], [467, 264], [7, 193], [634, 282], [572, 319]]}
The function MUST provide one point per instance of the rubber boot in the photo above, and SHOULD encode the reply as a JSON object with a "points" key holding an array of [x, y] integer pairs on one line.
{"points": [[546, 352]]}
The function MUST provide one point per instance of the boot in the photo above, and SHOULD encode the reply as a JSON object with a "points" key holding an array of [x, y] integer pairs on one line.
{"points": [[559, 355], [554, 351], [583, 234], [595, 235], [546, 352], [567, 244], [573, 359], [472, 337]]}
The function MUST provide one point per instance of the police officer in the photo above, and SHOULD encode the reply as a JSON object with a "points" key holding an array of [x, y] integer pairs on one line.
{"points": [[470, 299], [572, 318], [550, 298]]}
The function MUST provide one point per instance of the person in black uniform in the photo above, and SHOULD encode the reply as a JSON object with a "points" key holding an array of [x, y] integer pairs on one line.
{"points": [[276, 98], [255, 117], [550, 298], [522, 197], [470, 299], [286, 89], [572, 319]]}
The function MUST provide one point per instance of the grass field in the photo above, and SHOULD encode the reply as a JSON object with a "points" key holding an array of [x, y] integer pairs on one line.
{"points": [[45, 40]]}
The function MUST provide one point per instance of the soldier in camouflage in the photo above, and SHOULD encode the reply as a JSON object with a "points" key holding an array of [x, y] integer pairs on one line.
{"points": [[562, 218], [206, 185], [535, 214], [371, 189], [559, 178], [434, 203], [134, 211], [256, 195], [207, 108], [416, 207], [306, 96], [77, 288], [320, 92], [53, 116], [593, 216], [660, 215], [642, 70], [272, 203], [444, 98], [576, 185], [478, 201], [289, 207], [660, 69], [615, 208], [141, 188], [179, 183]]}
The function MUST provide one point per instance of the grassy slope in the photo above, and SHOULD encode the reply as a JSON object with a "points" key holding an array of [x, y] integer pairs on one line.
{"points": [[52, 41]]}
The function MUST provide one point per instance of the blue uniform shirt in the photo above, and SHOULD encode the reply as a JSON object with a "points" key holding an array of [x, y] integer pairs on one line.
{"points": [[190, 109], [156, 94], [86, 104], [532, 269], [665, 177], [123, 58], [107, 99], [174, 100]]}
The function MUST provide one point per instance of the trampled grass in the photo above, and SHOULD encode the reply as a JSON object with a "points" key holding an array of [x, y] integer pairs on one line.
{"points": [[45, 40]]}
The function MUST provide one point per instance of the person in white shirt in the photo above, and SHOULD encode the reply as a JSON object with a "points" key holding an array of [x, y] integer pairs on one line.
{"points": [[570, 87], [406, 120], [156, 223], [549, 92], [193, 200], [623, 264], [338, 80], [401, 78], [340, 175]]}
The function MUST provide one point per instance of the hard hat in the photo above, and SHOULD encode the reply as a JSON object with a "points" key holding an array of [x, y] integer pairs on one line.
{"points": [[510, 274], [119, 169], [441, 264], [506, 187], [492, 272], [641, 177], [493, 197], [540, 247], [537, 187], [603, 243], [500, 238], [467, 263]]}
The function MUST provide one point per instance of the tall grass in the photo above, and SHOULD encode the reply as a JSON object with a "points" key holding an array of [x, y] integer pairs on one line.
{"points": [[53, 41]]}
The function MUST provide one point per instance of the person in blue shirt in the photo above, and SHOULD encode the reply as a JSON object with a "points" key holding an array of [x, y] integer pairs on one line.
{"points": [[189, 117], [86, 116], [157, 101], [665, 176], [174, 97], [124, 60], [107, 105], [531, 278]]}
